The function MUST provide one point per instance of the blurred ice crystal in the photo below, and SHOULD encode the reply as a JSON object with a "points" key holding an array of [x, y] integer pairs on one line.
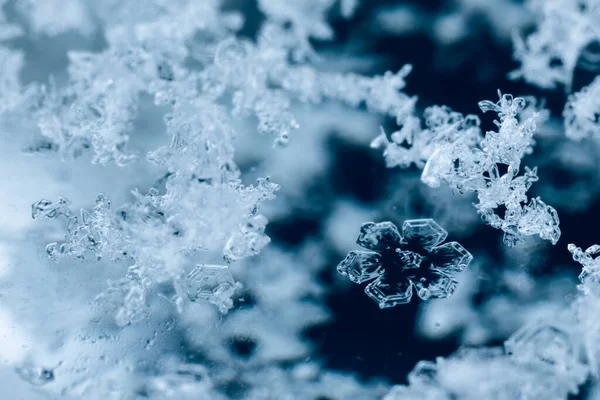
{"points": [[549, 348], [549, 55], [582, 112], [544, 365], [180, 380], [590, 273], [247, 241], [49, 209], [398, 262], [213, 283], [37, 376]]}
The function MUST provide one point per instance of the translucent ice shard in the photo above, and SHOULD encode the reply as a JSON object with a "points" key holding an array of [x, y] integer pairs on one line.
{"points": [[437, 285], [213, 283], [49, 209], [450, 257], [424, 233], [400, 262], [389, 292], [248, 241], [378, 237], [360, 266]]}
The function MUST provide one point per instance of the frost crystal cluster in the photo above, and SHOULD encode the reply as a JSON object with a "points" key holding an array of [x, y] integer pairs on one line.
{"points": [[454, 150], [567, 33], [400, 261], [199, 207]]}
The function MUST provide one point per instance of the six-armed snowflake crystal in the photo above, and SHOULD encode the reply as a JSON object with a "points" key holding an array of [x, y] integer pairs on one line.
{"points": [[401, 261]]}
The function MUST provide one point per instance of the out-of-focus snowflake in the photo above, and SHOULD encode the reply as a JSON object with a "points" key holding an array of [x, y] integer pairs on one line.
{"points": [[400, 261], [539, 361], [582, 112], [279, 301], [549, 55], [586, 307], [489, 305], [213, 283]]}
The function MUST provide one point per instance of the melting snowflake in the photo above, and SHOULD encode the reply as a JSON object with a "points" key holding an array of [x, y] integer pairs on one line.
{"points": [[400, 262]]}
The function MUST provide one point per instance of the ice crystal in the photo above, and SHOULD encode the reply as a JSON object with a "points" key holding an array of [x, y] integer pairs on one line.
{"points": [[171, 237], [398, 262], [549, 55], [582, 113], [180, 380], [37, 376], [590, 273], [411, 145], [213, 283], [491, 170]]}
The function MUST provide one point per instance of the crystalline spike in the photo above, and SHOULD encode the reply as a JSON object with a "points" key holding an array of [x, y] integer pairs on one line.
{"points": [[437, 285], [425, 233], [388, 292], [85, 217], [72, 225], [248, 241], [487, 105], [360, 266], [213, 283], [39, 207], [52, 251], [592, 250], [49, 209], [450, 257], [379, 236]]}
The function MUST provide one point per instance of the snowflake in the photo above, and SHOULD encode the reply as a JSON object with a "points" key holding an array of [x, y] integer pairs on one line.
{"points": [[401, 261], [213, 283], [582, 112]]}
